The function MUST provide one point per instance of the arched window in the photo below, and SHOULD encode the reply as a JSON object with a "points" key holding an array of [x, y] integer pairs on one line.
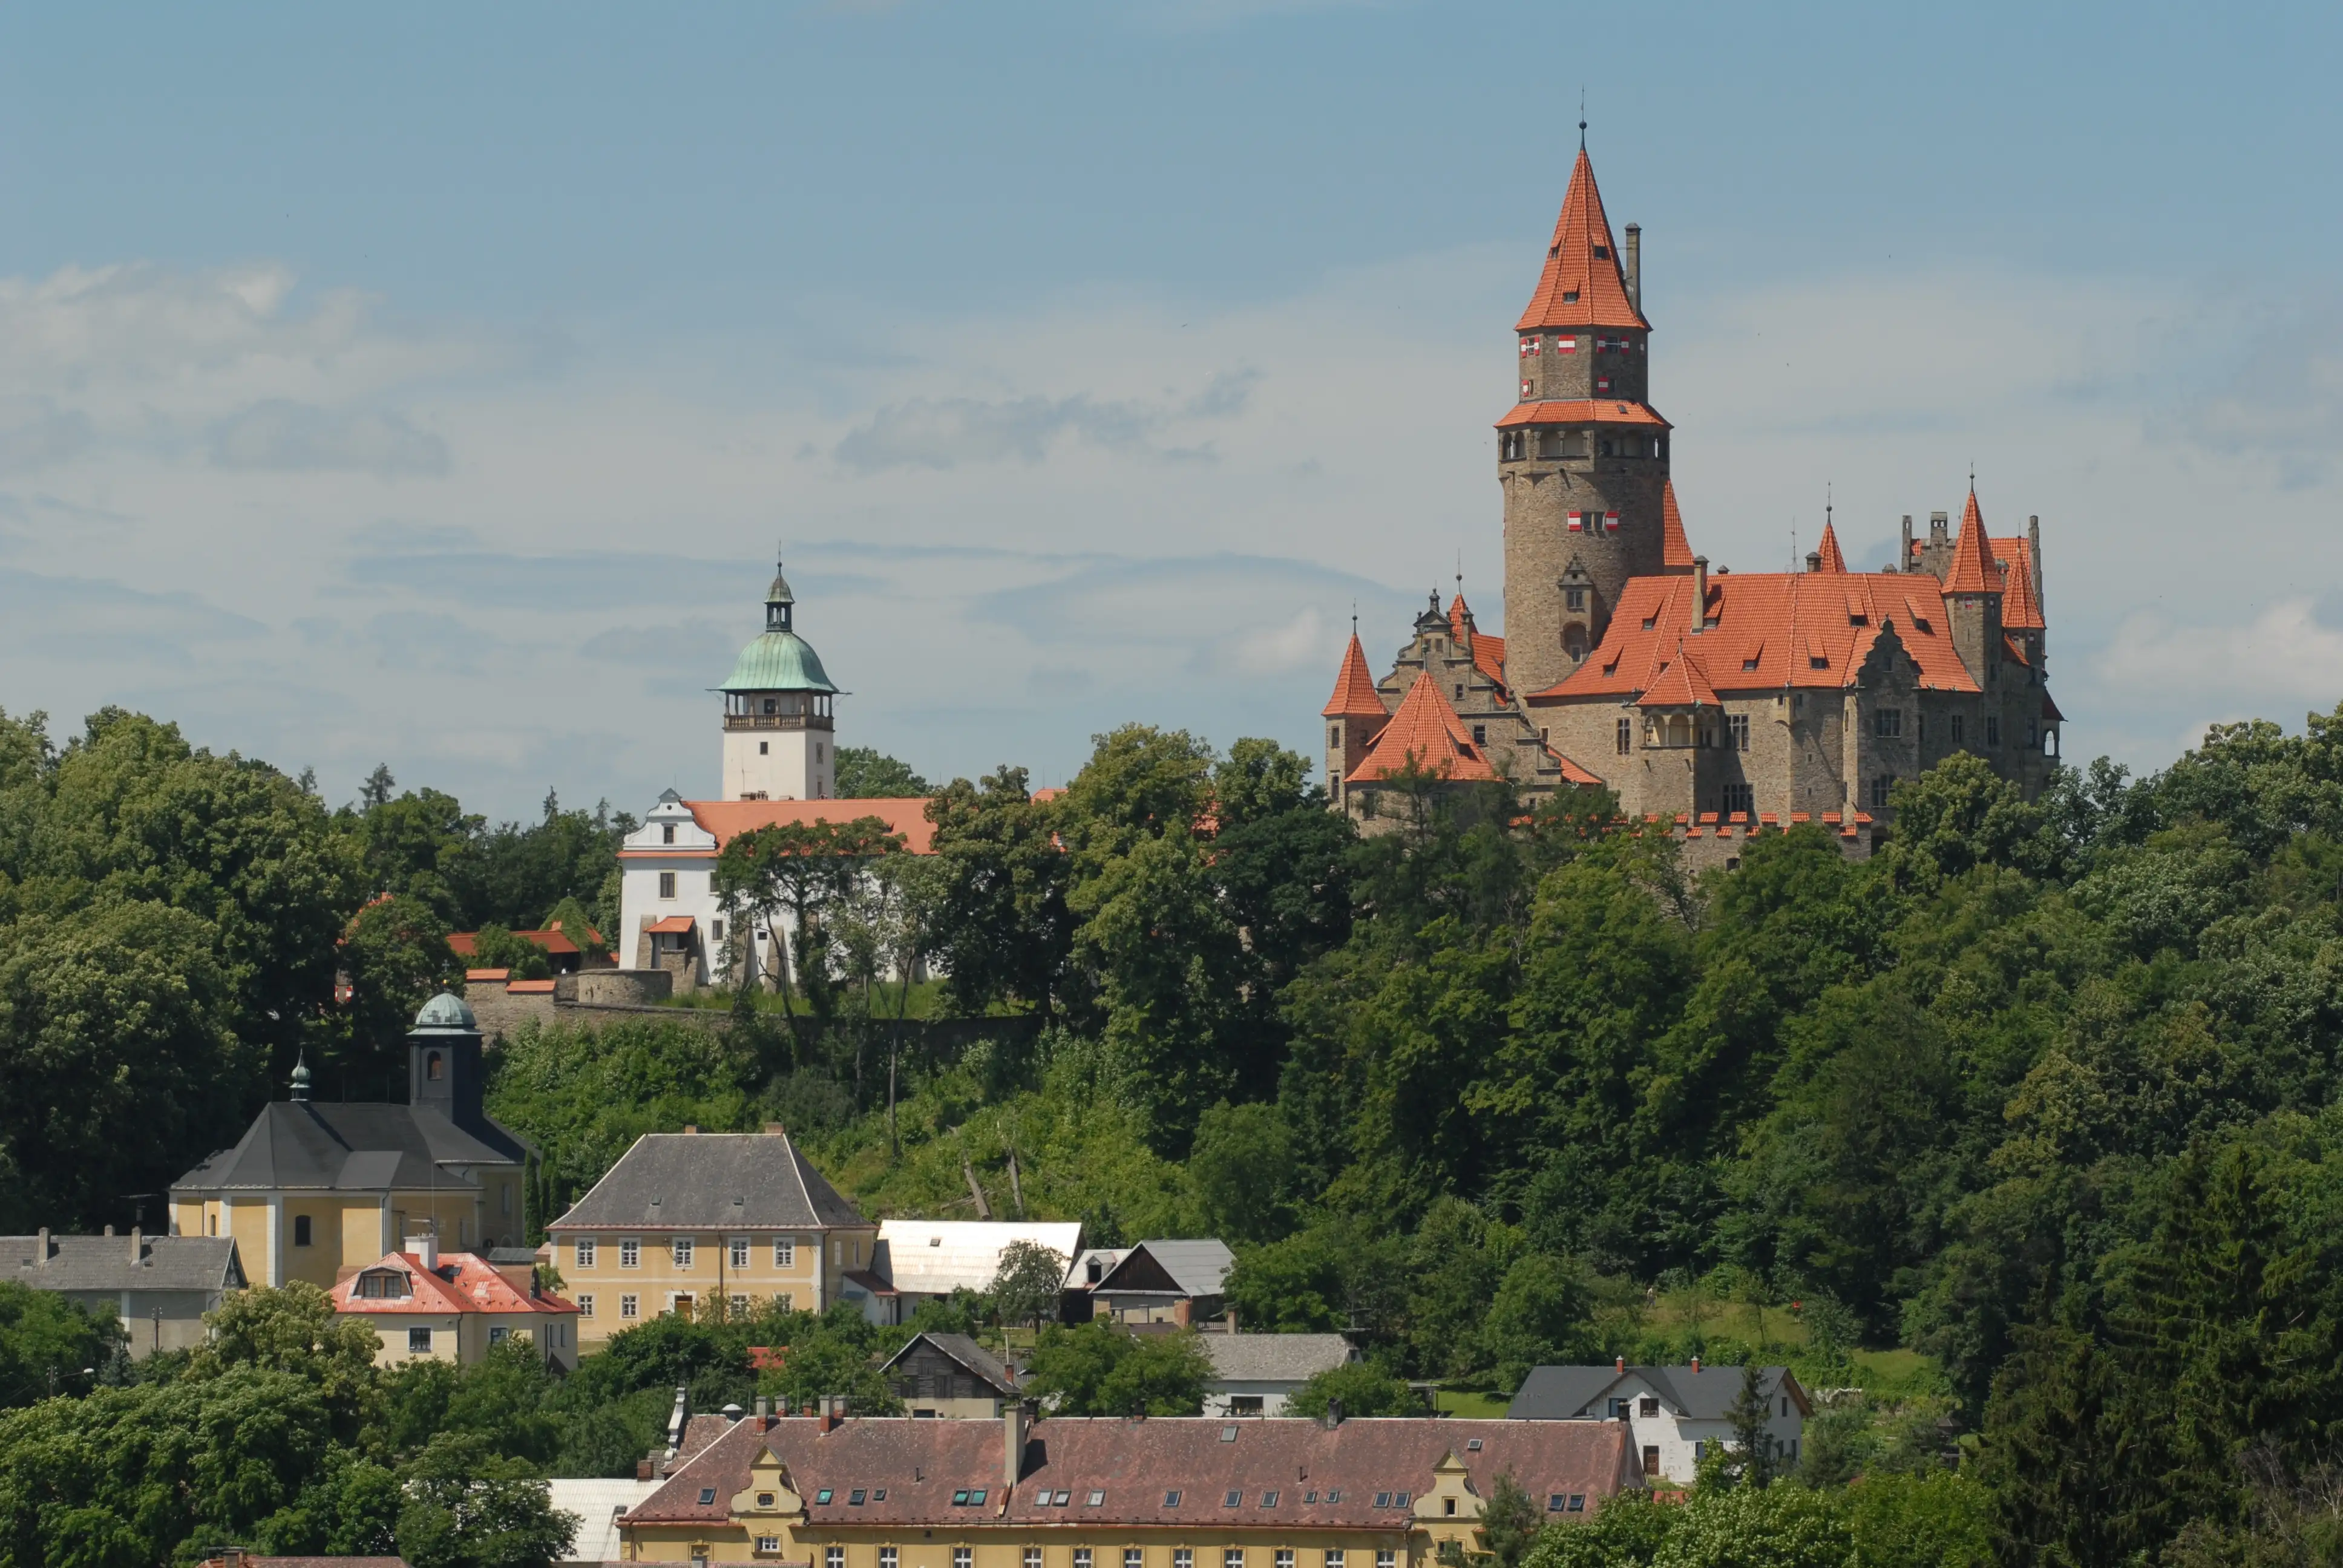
{"points": [[434, 1068]]}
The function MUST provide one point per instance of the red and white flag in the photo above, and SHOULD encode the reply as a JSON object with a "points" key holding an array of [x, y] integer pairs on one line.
{"points": [[1578, 522]]}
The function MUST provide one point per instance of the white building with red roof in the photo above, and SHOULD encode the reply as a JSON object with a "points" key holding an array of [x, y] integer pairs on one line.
{"points": [[429, 1305], [1714, 702], [779, 767]]}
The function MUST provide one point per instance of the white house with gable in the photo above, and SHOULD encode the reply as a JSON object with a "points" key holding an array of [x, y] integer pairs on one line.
{"points": [[780, 765], [1675, 1413]]}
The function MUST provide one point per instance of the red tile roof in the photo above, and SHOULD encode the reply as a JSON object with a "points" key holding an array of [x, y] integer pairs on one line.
{"points": [[2021, 607], [1583, 411], [1161, 1471], [727, 819], [1972, 571], [1832, 560], [1675, 549], [464, 1283], [1578, 287], [1488, 650], [1427, 732], [1679, 683], [673, 924], [1355, 688], [1765, 631]]}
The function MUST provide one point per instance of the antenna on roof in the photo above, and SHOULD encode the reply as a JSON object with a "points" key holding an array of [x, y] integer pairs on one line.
{"points": [[1581, 116], [1354, 617]]}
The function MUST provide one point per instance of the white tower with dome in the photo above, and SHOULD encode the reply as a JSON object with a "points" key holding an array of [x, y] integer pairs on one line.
{"points": [[779, 739]]}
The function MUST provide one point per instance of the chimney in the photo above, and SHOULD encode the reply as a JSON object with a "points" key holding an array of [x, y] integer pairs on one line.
{"points": [[1635, 265], [644, 1468], [1333, 1413], [1012, 1442], [45, 1246], [425, 1250], [137, 1246], [764, 1406], [1622, 1364], [829, 1413], [690, 1127], [1814, 560], [1940, 527], [1696, 1366], [676, 1420], [1905, 562], [2034, 562], [109, 1229], [1699, 595]]}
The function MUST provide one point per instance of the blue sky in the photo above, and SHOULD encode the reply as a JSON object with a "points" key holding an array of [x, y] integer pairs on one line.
{"points": [[433, 386]]}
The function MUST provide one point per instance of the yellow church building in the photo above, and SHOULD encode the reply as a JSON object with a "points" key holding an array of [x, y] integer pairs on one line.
{"points": [[316, 1189]]}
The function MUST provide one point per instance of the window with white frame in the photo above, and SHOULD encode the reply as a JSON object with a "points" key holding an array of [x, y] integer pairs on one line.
{"points": [[1385, 1557], [1131, 1558], [584, 1251], [740, 1307], [631, 1254], [963, 1557], [418, 1341], [886, 1557], [630, 1307], [1284, 1557], [1032, 1558], [666, 884], [1232, 1557], [585, 1305], [1333, 1557], [498, 1333], [739, 1251], [680, 1248], [1183, 1557], [833, 1557], [785, 1252]]}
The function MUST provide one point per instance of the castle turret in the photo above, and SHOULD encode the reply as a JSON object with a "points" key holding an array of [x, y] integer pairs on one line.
{"points": [[1583, 456], [1354, 716], [1973, 588], [778, 741]]}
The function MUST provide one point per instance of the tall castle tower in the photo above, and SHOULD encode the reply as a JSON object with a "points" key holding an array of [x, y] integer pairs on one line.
{"points": [[1583, 458], [778, 741]]}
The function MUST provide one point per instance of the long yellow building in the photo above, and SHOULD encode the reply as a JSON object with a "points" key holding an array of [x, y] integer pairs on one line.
{"points": [[686, 1222], [1066, 1493], [316, 1190]]}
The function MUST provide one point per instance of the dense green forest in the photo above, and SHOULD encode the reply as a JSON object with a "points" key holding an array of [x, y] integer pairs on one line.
{"points": [[2025, 1130]]}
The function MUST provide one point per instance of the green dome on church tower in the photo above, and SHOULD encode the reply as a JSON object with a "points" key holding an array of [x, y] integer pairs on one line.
{"points": [[779, 661]]}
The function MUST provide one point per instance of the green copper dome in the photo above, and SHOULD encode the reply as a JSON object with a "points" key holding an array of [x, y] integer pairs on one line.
{"points": [[444, 1012], [777, 661]]}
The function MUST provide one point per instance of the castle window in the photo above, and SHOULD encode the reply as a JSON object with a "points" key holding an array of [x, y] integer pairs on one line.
{"points": [[716, 931], [667, 832], [1888, 723], [764, 748], [1334, 735], [1609, 448], [1573, 641], [2032, 737], [1602, 253], [768, 705], [1570, 296], [1626, 736], [1741, 799], [1956, 729], [1480, 735], [666, 884], [1573, 598], [1738, 725], [1920, 727], [1993, 731], [1880, 790], [1513, 445]]}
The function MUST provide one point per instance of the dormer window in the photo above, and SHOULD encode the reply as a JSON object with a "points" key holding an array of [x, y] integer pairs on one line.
{"points": [[1570, 296], [1602, 253]]}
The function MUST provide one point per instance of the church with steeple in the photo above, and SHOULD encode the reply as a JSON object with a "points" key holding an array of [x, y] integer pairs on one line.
{"points": [[1704, 699]]}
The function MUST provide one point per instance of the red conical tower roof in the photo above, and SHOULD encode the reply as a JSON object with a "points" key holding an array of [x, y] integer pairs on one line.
{"points": [[1972, 570], [1675, 550], [1355, 688], [1832, 560], [1579, 287]]}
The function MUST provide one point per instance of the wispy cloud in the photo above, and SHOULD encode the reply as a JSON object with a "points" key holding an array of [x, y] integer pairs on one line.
{"points": [[945, 433], [285, 435]]}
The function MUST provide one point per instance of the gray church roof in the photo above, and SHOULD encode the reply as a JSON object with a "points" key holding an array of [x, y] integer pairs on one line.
{"points": [[711, 1180], [1580, 1392], [104, 1263], [367, 1148]]}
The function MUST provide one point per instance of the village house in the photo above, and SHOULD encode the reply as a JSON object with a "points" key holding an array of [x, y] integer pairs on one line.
{"points": [[920, 1260], [949, 1375], [1255, 1375], [1088, 1493], [687, 1220], [159, 1287], [426, 1305], [1160, 1282], [1675, 1415]]}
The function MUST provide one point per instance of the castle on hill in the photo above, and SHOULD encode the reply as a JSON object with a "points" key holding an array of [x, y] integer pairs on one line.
{"points": [[1707, 699]]}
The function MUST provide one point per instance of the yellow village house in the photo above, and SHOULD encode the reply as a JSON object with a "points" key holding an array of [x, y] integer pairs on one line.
{"points": [[687, 1220], [316, 1190]]}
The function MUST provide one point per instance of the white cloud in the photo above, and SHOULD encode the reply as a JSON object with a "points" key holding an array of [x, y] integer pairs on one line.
{"points": [[282, 434]]}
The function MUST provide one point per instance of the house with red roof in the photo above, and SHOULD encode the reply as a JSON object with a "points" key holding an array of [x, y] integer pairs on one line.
{"points": [[429, 1305], [1704, 700]]}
